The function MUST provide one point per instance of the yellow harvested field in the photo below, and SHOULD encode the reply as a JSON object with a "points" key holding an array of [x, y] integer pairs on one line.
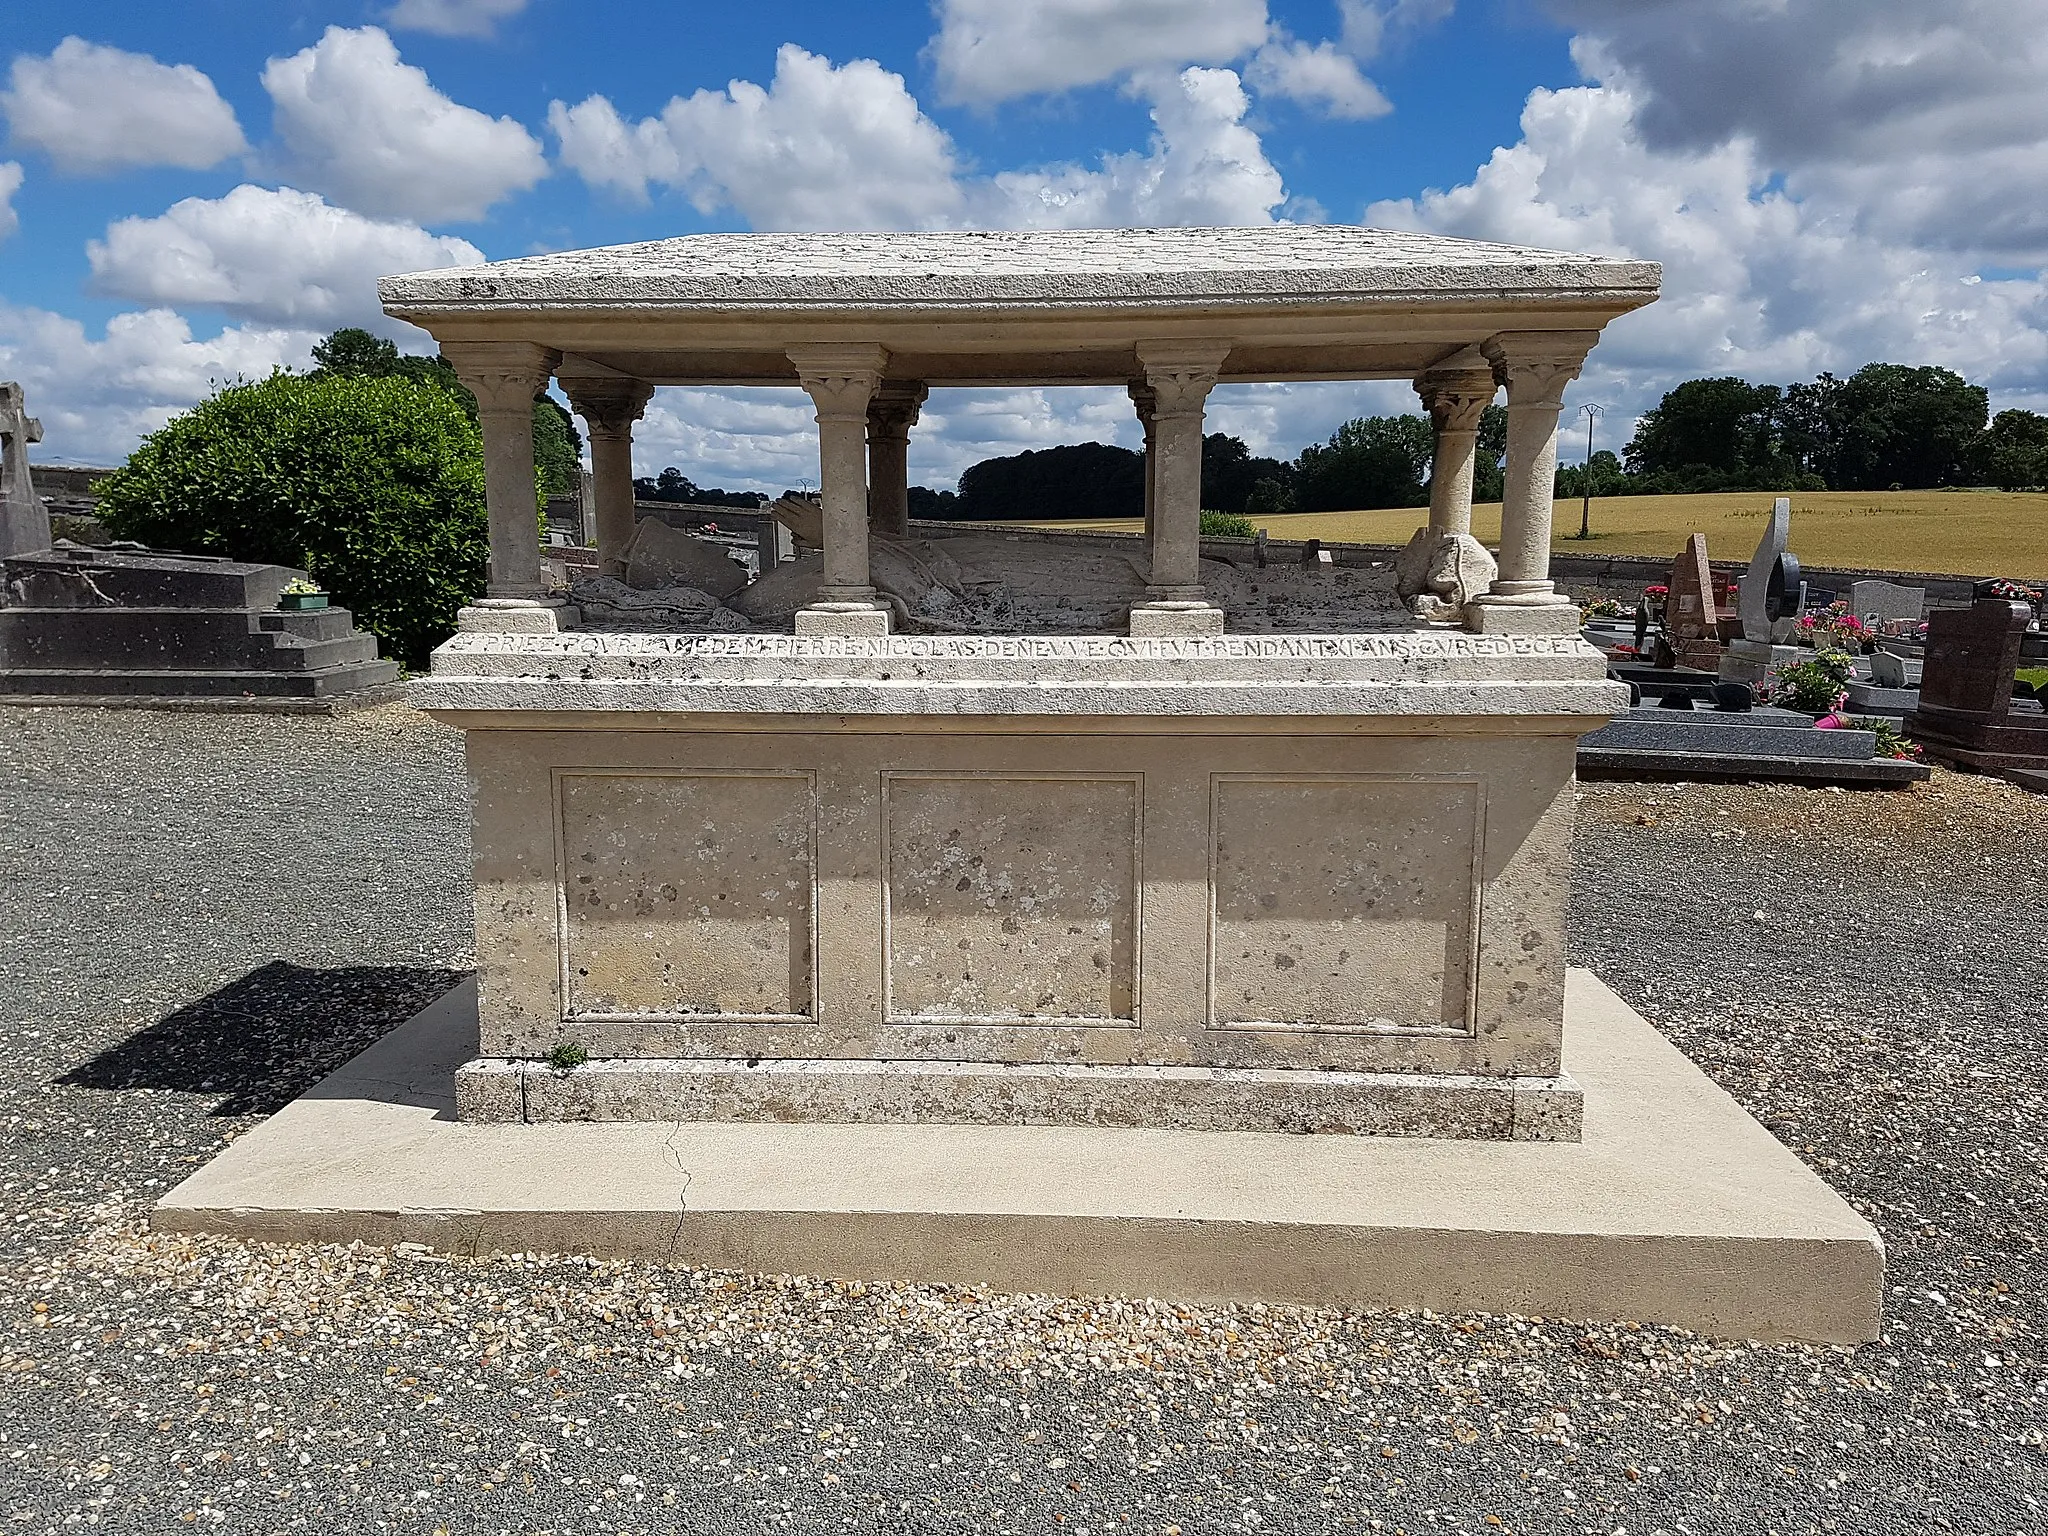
{"points": [[1960, 533]]}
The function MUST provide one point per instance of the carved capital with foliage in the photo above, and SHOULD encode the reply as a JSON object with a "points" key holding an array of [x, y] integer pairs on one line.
{"points": [[894, 409], [840, 377], [503, 375], [1535, 366], [609, 406], [1180, 374], [1456, 401]]}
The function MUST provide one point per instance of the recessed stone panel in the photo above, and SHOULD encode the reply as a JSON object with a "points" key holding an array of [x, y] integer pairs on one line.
{"points": [[686, 894], [1012, 898], [1343, 903]]}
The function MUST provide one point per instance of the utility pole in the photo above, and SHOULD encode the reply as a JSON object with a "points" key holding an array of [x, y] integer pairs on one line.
{"points": [[1592, 414]]}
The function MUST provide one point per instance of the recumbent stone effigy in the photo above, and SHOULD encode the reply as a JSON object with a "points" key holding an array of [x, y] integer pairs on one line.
{"points": [[876, 869]]}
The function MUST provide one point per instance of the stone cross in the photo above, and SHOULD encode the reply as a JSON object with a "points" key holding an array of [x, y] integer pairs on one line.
{"points": [[24, 520]]}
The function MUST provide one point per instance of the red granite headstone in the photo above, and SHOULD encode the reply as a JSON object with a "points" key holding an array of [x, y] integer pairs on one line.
{"points": [[1967, 715], [1690, 620]]}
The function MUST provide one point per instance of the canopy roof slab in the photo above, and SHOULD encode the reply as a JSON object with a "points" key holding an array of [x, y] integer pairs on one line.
{"points": [[1308, 302]]}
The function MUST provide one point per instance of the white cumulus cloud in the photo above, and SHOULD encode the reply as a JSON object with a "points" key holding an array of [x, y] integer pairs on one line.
{"points": [[1204, 166], [372, 133], [94, 109], [823, 147], [993, 50], [1757, 281], [281, 256], [453, 18], [1319, 76], [1926, 123], [10, 183], [847, 147], [98, 396]]}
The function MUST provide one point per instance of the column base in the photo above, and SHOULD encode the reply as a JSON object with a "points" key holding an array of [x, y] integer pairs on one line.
{"points": [[1493, 614], [1175, 620], [850, 618], [517, 616]]}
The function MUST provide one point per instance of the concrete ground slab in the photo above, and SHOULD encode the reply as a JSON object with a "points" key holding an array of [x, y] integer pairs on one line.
{"points": [[1676, 1207]]}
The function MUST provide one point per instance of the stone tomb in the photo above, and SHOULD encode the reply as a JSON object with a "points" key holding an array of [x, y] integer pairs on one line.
{"points": [[886, 864], [134, 623], [1892, 606], [1967, 713], [1768, 601]]}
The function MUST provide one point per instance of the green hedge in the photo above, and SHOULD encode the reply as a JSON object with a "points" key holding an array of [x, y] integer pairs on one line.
{"points": [[374, 485]]}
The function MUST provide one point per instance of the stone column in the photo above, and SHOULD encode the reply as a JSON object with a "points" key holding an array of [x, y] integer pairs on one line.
{"points": [[1535, 366], [505, 376], [609, 407], [1146, 401], [841, 378], [1180, 375], [1455, 400], [891, 415]]}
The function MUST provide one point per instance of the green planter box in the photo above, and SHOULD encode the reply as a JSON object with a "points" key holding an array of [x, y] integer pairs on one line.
{"points": [[301, 602]]}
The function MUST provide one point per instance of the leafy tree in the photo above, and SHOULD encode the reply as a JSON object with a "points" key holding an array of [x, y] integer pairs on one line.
{"points": [[353, 352], [1810, 428], [375, 485], [1091, 480], [356, 353], [2013, 452], [1907, 427], [1605, 472], [1489, 475], [1230, 473], [1373, 461], [933, 506], [1713, 435]]}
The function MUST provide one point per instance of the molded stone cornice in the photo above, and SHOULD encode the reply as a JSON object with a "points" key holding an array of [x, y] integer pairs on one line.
{"points": [[503, 375]]}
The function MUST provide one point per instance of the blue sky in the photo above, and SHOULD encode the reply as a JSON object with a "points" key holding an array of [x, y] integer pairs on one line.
{"points": [[198, 191]]}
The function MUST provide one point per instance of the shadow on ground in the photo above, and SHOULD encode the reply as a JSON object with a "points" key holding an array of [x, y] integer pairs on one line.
{"points": [[262, 1041]]}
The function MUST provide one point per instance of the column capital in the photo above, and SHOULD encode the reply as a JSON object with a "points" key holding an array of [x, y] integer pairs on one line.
{"points": [[1456, 399], [609, 405], [1144, 399], [894, 409], [503, 375], [1537, 365], [840, 377], [1181, 373]]}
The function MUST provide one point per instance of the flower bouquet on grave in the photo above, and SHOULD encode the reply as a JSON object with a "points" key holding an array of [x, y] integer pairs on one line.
{"points": [[301, 596], [1817, 687]]}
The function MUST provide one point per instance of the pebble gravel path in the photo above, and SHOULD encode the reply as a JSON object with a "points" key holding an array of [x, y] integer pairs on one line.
{"points": [[202, 914]]}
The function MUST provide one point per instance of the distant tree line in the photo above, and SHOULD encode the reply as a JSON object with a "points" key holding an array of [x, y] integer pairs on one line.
{"points": [[1885, 427], [673, 485]]}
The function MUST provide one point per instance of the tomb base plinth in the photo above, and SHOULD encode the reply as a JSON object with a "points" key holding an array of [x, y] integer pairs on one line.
{"points": [[1303, 882]]}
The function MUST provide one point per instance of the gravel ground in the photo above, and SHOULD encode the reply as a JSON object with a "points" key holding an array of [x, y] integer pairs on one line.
{"points": [[201, 914]]}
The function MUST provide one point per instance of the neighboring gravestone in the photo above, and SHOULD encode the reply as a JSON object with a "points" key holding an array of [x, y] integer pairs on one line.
{"points": [[1768, 601], [134, 622], [1887, 602], [1968, 715], [1690, 619], [24, 520]]}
